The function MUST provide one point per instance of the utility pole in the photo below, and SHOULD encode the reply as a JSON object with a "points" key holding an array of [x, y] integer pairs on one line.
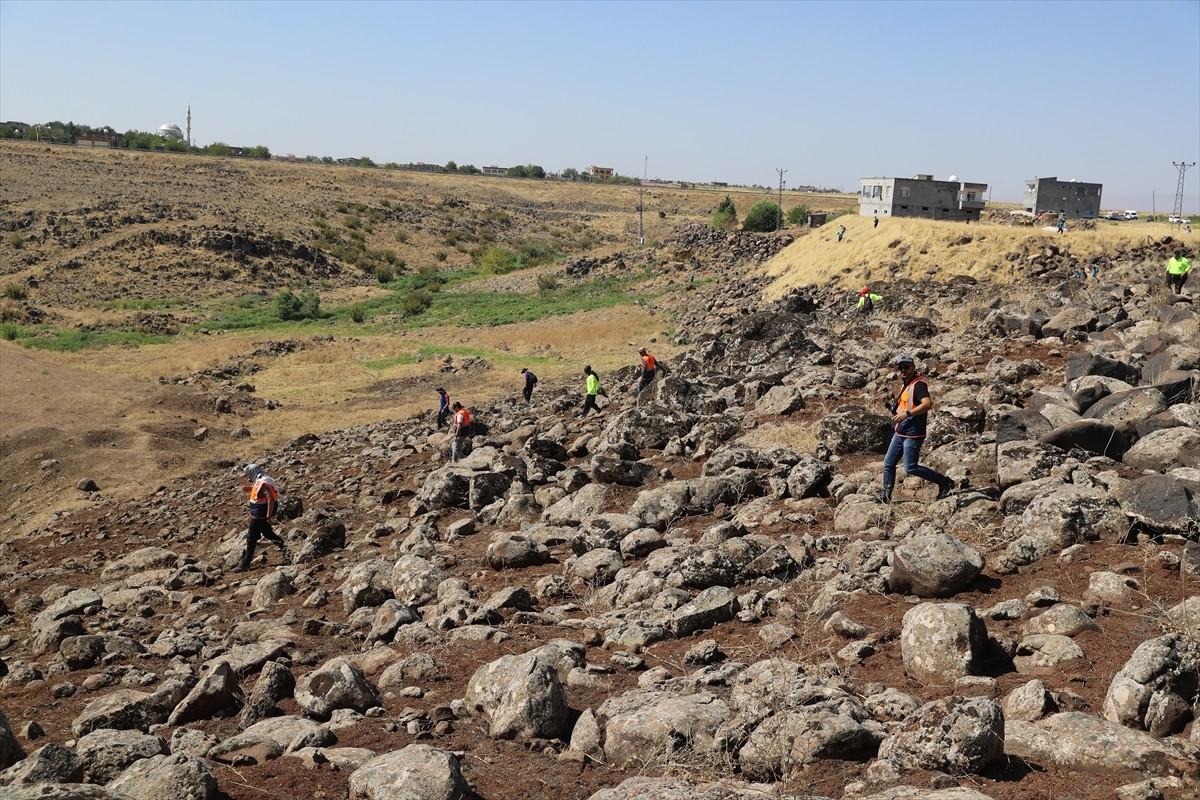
{"points": [[781, 172], [1182, 167], [641, 204]]}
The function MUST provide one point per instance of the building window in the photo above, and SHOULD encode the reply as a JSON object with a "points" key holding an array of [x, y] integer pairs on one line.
{"points": [[904, 208], [924, 208], [904, 191]]}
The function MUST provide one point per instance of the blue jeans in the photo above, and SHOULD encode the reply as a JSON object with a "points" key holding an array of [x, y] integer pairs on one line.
{"points": [[911, 449]]}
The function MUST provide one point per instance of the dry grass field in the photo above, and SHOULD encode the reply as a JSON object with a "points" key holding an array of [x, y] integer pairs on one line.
{"points": [[919, 247]]}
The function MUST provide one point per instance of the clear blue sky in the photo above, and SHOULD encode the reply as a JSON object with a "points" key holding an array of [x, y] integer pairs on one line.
{"points": [[728, 91]]}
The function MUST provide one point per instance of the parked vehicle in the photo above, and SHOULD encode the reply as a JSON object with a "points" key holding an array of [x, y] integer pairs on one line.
{"points": [[1180, 220], [1114, 215], [1130, 214]]}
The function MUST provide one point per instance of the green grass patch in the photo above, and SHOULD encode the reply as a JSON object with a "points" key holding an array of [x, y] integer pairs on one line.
{"points": [[147, 304], [74, 339]]}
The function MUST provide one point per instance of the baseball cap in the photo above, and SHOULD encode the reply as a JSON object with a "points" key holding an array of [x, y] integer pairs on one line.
{"points": [[905, 360]]}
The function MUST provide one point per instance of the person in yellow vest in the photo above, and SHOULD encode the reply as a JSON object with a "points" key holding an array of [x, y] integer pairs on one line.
{"points": [[909, 418], [462, 432], [1177, 270], [264, 502], [868, 301]]}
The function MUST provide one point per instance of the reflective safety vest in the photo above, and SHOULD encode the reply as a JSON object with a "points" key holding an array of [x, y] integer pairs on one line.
{"points": [[263, 497], [910, 427], [462, 419], [649, 363], [1178, 266]]}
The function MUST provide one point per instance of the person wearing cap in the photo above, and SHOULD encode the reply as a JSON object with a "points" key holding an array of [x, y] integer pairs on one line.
{"points": [[530, 381], [593, 389], [462, 431], [910, 413], [1178, 268], [443, 407], [646, 376], [264, 502], [868, 302]]}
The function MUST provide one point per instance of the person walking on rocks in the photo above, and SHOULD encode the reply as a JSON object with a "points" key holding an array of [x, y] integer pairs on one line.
{"points": [[530, 381], [646, 376], [593, 389], [868, 301], [462, 432], [1062, 223], [910, 414], [1178, 268], [264, 501], [443, 407], [841, 232]]}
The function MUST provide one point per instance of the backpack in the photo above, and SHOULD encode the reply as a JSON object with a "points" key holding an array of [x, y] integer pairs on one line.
{"points": [[868, 304]]}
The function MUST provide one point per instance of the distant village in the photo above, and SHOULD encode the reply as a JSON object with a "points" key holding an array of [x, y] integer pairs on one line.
{"points": [[919, 196]]}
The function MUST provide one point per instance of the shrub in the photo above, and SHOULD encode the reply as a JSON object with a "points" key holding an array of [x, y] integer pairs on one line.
{"points": [[290, 307], [357, 313], [440, 256], [401, 236], [497, 260], [384, 275], [762, 217], [15, 291], [415, 302], [16, 241], [725, 218], [797, 215], [547, 282], [9, 331]]}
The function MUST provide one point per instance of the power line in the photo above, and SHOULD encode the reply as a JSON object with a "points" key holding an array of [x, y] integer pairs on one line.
{"points": [[1182, 167]]}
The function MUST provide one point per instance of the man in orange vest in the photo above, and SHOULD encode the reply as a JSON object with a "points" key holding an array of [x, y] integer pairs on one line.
{"points": [[462, 432], [264, 501], [646, 377], [909, 418]]}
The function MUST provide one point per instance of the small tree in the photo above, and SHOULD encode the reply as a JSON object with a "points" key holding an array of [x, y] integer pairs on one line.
{"points": [[290, 307], [762, 217], [570, 174], [797, 215], [726, 217], [451, 166]]}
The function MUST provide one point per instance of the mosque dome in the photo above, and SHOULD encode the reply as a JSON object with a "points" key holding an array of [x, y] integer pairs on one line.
{"points": [[170, 131]]}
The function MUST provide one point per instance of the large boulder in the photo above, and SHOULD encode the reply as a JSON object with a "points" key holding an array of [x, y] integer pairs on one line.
{"points": [[1059, 516], [1079, 742], [1160, 450], [854, 429], [936, 565], [1092, 435], [1020, 460], [521, 697], [1154, 690], [414, 772], [1161, 504], [335, 684], [10, 748], [942, 642], [958, 735], [167, 777], [1125, 410], [650, 727], [107, 753]]}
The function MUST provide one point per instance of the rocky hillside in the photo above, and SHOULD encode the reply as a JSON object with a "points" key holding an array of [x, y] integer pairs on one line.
{"points": [[698, 597]]}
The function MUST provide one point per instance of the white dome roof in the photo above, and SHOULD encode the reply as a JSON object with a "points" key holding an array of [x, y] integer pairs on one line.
{"points": [[170, 130]]}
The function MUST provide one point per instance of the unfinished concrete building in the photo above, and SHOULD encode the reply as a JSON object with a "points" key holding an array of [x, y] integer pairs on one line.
{"points": [[1069, 198], [921, 196]]}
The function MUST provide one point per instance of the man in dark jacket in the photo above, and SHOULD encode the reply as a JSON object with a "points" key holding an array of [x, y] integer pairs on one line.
{"points": [[530, 382]]}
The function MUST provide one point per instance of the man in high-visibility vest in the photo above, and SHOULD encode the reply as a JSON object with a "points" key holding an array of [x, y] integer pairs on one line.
{"points": [[646, 376], [909, 418], [264, 502], [868, 301], [462, 432], [1177, 270]]}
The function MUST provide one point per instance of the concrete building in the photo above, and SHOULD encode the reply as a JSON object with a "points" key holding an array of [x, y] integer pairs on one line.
{"points": [[602, 173], [493, 170], [1070, 198], [921, 196]]}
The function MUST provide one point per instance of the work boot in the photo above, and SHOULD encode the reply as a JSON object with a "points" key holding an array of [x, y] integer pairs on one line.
{"points": [[885, 498], [944, 489]]}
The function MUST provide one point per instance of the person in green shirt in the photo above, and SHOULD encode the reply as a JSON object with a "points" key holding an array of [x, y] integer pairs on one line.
{"points": [[593, 389], [1177, 271], [868, 302]]}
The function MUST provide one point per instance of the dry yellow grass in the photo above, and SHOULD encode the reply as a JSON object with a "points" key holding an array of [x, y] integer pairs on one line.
{"points": [[932, 248]]}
